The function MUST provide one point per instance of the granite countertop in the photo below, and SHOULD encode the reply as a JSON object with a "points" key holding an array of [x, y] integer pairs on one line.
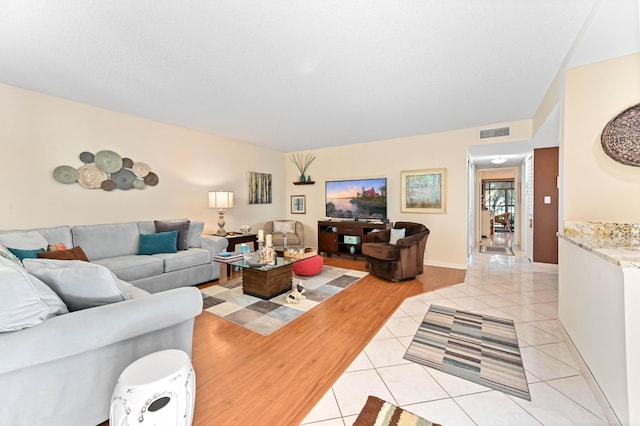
{"points": [[618, 243]]}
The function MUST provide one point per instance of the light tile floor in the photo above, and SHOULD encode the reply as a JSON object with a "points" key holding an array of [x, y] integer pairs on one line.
{"points": [[503, 286]]}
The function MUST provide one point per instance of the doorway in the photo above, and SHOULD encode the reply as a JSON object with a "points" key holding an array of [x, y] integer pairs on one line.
{"points": [[499, 198]]}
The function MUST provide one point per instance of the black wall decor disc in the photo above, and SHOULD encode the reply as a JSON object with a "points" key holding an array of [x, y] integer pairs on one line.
{"points": [[621, 137]]}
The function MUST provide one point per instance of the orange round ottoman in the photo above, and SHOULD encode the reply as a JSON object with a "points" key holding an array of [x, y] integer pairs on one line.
{"points": [[309, 266]]}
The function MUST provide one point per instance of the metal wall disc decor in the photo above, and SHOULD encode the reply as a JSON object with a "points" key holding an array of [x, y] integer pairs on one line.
{"points": [[123, 178], [107, 170], [86, 157], [90, 176], [65, 174], [621, 137], [108, 161], [108, 185], [140, 169], [151, 179], [138, 183]]}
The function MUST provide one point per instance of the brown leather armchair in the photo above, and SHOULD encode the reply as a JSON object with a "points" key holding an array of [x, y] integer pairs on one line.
{"points": [[400, 261]]}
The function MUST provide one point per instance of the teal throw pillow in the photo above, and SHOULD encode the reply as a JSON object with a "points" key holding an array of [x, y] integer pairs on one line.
{"points": [[25, 254], [160, 242]]}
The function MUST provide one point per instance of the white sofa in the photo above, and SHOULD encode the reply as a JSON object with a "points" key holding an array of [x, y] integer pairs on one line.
{"points": [[59, 367]]}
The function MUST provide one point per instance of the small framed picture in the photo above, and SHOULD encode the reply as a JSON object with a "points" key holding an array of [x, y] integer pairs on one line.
{"points": [[298, 204], [424, 191]]}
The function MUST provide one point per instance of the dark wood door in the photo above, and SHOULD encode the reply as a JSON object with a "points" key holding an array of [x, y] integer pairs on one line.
{"points": [[545, 205]]}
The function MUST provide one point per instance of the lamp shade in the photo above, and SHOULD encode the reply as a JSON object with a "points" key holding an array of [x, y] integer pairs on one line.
{"points": [[220, 199]]}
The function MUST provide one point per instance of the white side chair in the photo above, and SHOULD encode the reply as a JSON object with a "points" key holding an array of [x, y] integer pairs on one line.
{"points": [[158, 389]]}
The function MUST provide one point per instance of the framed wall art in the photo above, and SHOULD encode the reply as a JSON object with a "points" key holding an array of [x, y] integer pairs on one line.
{"points": [[424, 191], [298, 204], [259, 188]]}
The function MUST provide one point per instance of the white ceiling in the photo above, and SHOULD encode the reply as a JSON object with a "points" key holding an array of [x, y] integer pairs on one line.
{"points": [[291, 74]]}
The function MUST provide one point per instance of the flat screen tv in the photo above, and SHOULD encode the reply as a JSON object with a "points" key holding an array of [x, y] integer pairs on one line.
{"points": [[356, 199]]}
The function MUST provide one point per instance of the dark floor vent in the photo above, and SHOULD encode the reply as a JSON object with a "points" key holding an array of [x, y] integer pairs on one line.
{"points": [[494, 133]]}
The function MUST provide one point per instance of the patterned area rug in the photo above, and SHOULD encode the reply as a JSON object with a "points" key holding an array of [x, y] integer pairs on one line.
{"points": [[379, 412], [479, 348], [496, 250], [227, 301]]}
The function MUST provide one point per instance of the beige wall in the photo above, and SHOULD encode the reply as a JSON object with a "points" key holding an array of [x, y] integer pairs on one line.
{"points": [[447, 241], [388, 158], [595, 187], [40, 132]]}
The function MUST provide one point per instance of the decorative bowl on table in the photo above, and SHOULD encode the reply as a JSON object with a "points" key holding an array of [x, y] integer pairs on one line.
{"points": [[245, 229]]}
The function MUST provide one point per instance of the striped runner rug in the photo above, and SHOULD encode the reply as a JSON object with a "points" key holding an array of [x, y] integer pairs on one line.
{"points": [[382, 413], [480, 348]]}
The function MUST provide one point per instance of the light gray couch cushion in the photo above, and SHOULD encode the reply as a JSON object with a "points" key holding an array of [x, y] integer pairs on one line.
{"points": [[184, 259], [25, 301], [54, 235], [107, 240], [195, 234], [27, 240], [133, 267], [80, 284], [57, 234]]}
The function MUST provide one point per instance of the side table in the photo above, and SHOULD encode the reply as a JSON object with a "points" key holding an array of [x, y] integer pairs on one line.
{"points": [[239, 238]]}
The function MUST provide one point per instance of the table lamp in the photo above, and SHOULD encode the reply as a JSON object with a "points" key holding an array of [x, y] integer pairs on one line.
{"points": [[221, 200]]}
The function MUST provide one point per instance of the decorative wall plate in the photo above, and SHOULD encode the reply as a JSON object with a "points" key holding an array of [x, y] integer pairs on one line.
{"points": [[151, 179], [621, 137], [140, 169], [108, 185], [86, 157], [107, 170], [108, 161], [90, 176], [127, 162], [65, 174], [123, 178]]}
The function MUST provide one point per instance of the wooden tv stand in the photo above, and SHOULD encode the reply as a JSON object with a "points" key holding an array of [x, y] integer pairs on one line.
{"points": [[346, 237]]}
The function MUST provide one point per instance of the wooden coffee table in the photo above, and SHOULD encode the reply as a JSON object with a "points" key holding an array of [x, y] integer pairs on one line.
{"points": [[266, 281]]}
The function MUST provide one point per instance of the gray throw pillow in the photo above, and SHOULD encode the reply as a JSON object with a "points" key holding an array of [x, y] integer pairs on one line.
{"points": [[79, 284], [25, 301], [182, 226]]}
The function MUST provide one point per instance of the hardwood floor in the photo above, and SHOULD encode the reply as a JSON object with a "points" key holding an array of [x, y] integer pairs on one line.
{"points": [[245, 378]]}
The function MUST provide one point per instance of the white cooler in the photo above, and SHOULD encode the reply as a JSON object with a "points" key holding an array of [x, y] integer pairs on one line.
{"points": [[157, 389]]}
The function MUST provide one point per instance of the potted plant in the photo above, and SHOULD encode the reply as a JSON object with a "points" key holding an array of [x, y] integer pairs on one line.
{"points": [[302, 162]]}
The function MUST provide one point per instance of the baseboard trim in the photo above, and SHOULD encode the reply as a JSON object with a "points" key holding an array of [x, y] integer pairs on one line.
{"points": [[591, 381], [446, 265]]}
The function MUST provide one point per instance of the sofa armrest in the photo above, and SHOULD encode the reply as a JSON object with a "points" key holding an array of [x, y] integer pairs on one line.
{"points": [[214, 244], [81, 331], [411, 239]]}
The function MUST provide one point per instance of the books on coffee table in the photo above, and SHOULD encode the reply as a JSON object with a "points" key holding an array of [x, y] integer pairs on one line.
{"points": [[228, 257]]}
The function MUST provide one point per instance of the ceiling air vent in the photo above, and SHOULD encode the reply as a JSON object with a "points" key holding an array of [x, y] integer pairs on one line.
{"points": [[494, 133]]}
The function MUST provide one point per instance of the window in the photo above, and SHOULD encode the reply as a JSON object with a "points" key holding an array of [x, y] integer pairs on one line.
{"points": [[499, 196]]}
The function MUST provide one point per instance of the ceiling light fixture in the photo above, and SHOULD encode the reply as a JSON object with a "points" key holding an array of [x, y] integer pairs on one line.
{"points": [[499, 160]]}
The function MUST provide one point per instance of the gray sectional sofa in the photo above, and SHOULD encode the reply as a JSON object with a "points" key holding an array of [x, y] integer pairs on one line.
{"points": [[115, 246], [59, 364]]}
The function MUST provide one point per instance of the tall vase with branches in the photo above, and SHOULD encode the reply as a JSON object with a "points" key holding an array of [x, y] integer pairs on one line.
{"points": [[302, 162]]}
